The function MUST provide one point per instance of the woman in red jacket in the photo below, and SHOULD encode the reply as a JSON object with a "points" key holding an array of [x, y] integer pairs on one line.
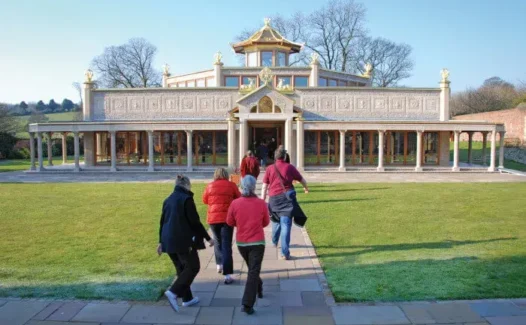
{"points": [[250, 215], [218, 195]]}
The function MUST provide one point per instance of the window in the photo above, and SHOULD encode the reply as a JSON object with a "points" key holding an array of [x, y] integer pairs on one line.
{"points": [[281, 59], [190, 83], [322, 82], [332, 83], [200, 83], [181, 84], [266, 59], [301, 81], [285, 81], [246, 80], [231, 82], [342, 83], [265, 105], [252, 58], [210, 82]]}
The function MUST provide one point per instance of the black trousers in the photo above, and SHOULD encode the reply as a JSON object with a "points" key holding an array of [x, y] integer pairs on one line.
{"points": [[223, 234], [187, 266], [253, 256]]}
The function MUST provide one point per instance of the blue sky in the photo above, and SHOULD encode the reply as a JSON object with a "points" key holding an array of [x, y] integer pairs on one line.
{"points": [[47, 45]]}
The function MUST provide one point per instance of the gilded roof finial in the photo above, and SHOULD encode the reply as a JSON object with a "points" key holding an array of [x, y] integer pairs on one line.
{"points": [[89, 76], [368, 69], [166, 69], [445, 75], [266, 75], [267, 21], [217, 57]]}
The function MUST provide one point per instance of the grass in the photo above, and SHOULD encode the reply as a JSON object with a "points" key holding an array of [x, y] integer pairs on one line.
{"points": [[11, 165], [375, 241], [477, 155], [420, 241], [54, 117]]}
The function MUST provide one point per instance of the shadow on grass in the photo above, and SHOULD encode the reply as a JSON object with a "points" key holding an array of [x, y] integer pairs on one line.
{"points": [[145, 290], [332, 201], [458, 278], [322, 189], [405, 247]]}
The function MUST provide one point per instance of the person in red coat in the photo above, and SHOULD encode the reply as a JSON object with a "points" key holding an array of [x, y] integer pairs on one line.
{"points": [[218, 195], [250, 165], [250, 215]]}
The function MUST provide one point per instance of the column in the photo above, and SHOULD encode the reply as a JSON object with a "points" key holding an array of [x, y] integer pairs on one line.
{"points": [[86, 99], [288, 134], [418, 167], [113, 149], [455, 151], [243, 139], [76, 148], [150, 151], [380, 167], [470, 148], [189, 151], [32, 150], [493, 151], [445, 93], [314, 73], [484, 145], [342, 151], [300, 144], [501, 149], [231, 143], [40, 153], [49, 149], [64, 147]]}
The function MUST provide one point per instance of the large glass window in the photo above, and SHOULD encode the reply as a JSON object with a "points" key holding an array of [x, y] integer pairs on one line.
{"points": [[281, 59], [301, 81], [231, 82], [342, 83], [190, 83], [200, 83], [322, 82], [285, 81], [321, 147], [181, 84], [252, 58], [333, 83], [266, 59], [246, 80], [210, 82], [210, 148]]}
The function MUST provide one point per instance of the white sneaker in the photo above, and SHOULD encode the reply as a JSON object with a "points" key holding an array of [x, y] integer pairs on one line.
{"points": [[219, 268], [191, 302], [172, 299]]}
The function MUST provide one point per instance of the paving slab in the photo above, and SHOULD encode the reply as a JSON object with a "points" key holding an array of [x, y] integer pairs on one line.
{"points": [[94, 312], [270, 288], [280, 299], [205, 298], [204, 285], [215, 315], [231, 291], [41, 322], [491, 309], [453, 313], [310, 298], [307, 315], [160, 314], [19, 312], [225, 302], [67, 311], [300, 285], [50, 309], [262, 316], [418, 313], [3, 302], [507, 320], [351, 315], [122, 324]]}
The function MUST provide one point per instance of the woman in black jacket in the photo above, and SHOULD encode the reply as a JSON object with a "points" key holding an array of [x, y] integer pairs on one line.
{"points": [[180, 236]]}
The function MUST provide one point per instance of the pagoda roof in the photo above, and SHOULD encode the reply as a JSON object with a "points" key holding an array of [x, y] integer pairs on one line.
{"points": [[266, 36]]}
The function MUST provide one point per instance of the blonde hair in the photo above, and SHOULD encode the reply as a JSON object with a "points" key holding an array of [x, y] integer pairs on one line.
{"points": [[220, 173]]}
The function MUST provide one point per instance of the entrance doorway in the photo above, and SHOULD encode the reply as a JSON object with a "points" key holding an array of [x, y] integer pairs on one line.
{"points": [[269, 135]]}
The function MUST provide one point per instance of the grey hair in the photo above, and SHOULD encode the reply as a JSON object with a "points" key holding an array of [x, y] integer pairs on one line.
{"points": [[183, 181], [249, 153], [280, 153], [248, 186]]}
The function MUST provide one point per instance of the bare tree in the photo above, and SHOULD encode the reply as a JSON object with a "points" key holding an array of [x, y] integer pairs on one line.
{"points": [[8, 123], [391, 62], [78, 88], [128, 66]]}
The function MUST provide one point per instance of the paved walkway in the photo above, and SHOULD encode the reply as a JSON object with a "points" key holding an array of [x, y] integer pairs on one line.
{"points": [[295, 292]]}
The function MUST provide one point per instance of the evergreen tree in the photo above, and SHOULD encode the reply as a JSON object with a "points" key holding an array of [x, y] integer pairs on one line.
{"points": [[67, 105], [41, 107], [53, 106]]}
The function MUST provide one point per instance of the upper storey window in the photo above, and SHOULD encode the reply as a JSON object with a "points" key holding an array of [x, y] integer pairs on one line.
{"points": [[266, 59], [281, 59], [232, 82], [332, 83], [252, 59], [301, 81], [322, 82]]}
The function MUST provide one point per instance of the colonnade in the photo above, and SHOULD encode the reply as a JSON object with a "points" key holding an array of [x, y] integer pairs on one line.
{"points": [[40, 156]]}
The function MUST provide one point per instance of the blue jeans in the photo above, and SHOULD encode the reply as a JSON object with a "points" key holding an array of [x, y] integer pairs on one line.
{"points": [[223, 234], [282, 229]]}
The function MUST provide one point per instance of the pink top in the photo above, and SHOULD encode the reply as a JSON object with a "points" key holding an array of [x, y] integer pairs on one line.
{"points": [[250, 216], [287, 171]]}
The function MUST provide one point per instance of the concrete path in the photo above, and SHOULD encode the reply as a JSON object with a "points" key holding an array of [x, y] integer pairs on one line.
{"points": [[295, 292]]}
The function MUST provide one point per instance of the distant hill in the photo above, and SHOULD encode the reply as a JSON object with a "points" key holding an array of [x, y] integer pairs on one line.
{"points": [[53, 117]]}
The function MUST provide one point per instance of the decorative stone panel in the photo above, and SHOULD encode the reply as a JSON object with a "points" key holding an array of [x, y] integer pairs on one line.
{"points": [[162, 104]]}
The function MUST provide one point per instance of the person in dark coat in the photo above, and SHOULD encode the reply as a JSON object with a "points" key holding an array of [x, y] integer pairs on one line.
{"points": [[181, 234]]}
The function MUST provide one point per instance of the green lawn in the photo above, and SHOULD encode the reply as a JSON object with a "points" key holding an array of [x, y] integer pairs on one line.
{"points": [[11, 165], [55, 117], [375, 241], [420, 241]]}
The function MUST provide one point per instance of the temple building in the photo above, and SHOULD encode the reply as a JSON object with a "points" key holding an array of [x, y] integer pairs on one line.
{"points": [[327, 120]]}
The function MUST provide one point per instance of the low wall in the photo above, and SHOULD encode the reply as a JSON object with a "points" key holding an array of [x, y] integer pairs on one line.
{"points": [[517, 154]]}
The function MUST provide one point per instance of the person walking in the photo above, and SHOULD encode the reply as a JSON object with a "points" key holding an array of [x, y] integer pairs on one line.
{"points": [[278, 183], [250, 215], [250, 165], [181, 234], [262, 152], [218, 195]]}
